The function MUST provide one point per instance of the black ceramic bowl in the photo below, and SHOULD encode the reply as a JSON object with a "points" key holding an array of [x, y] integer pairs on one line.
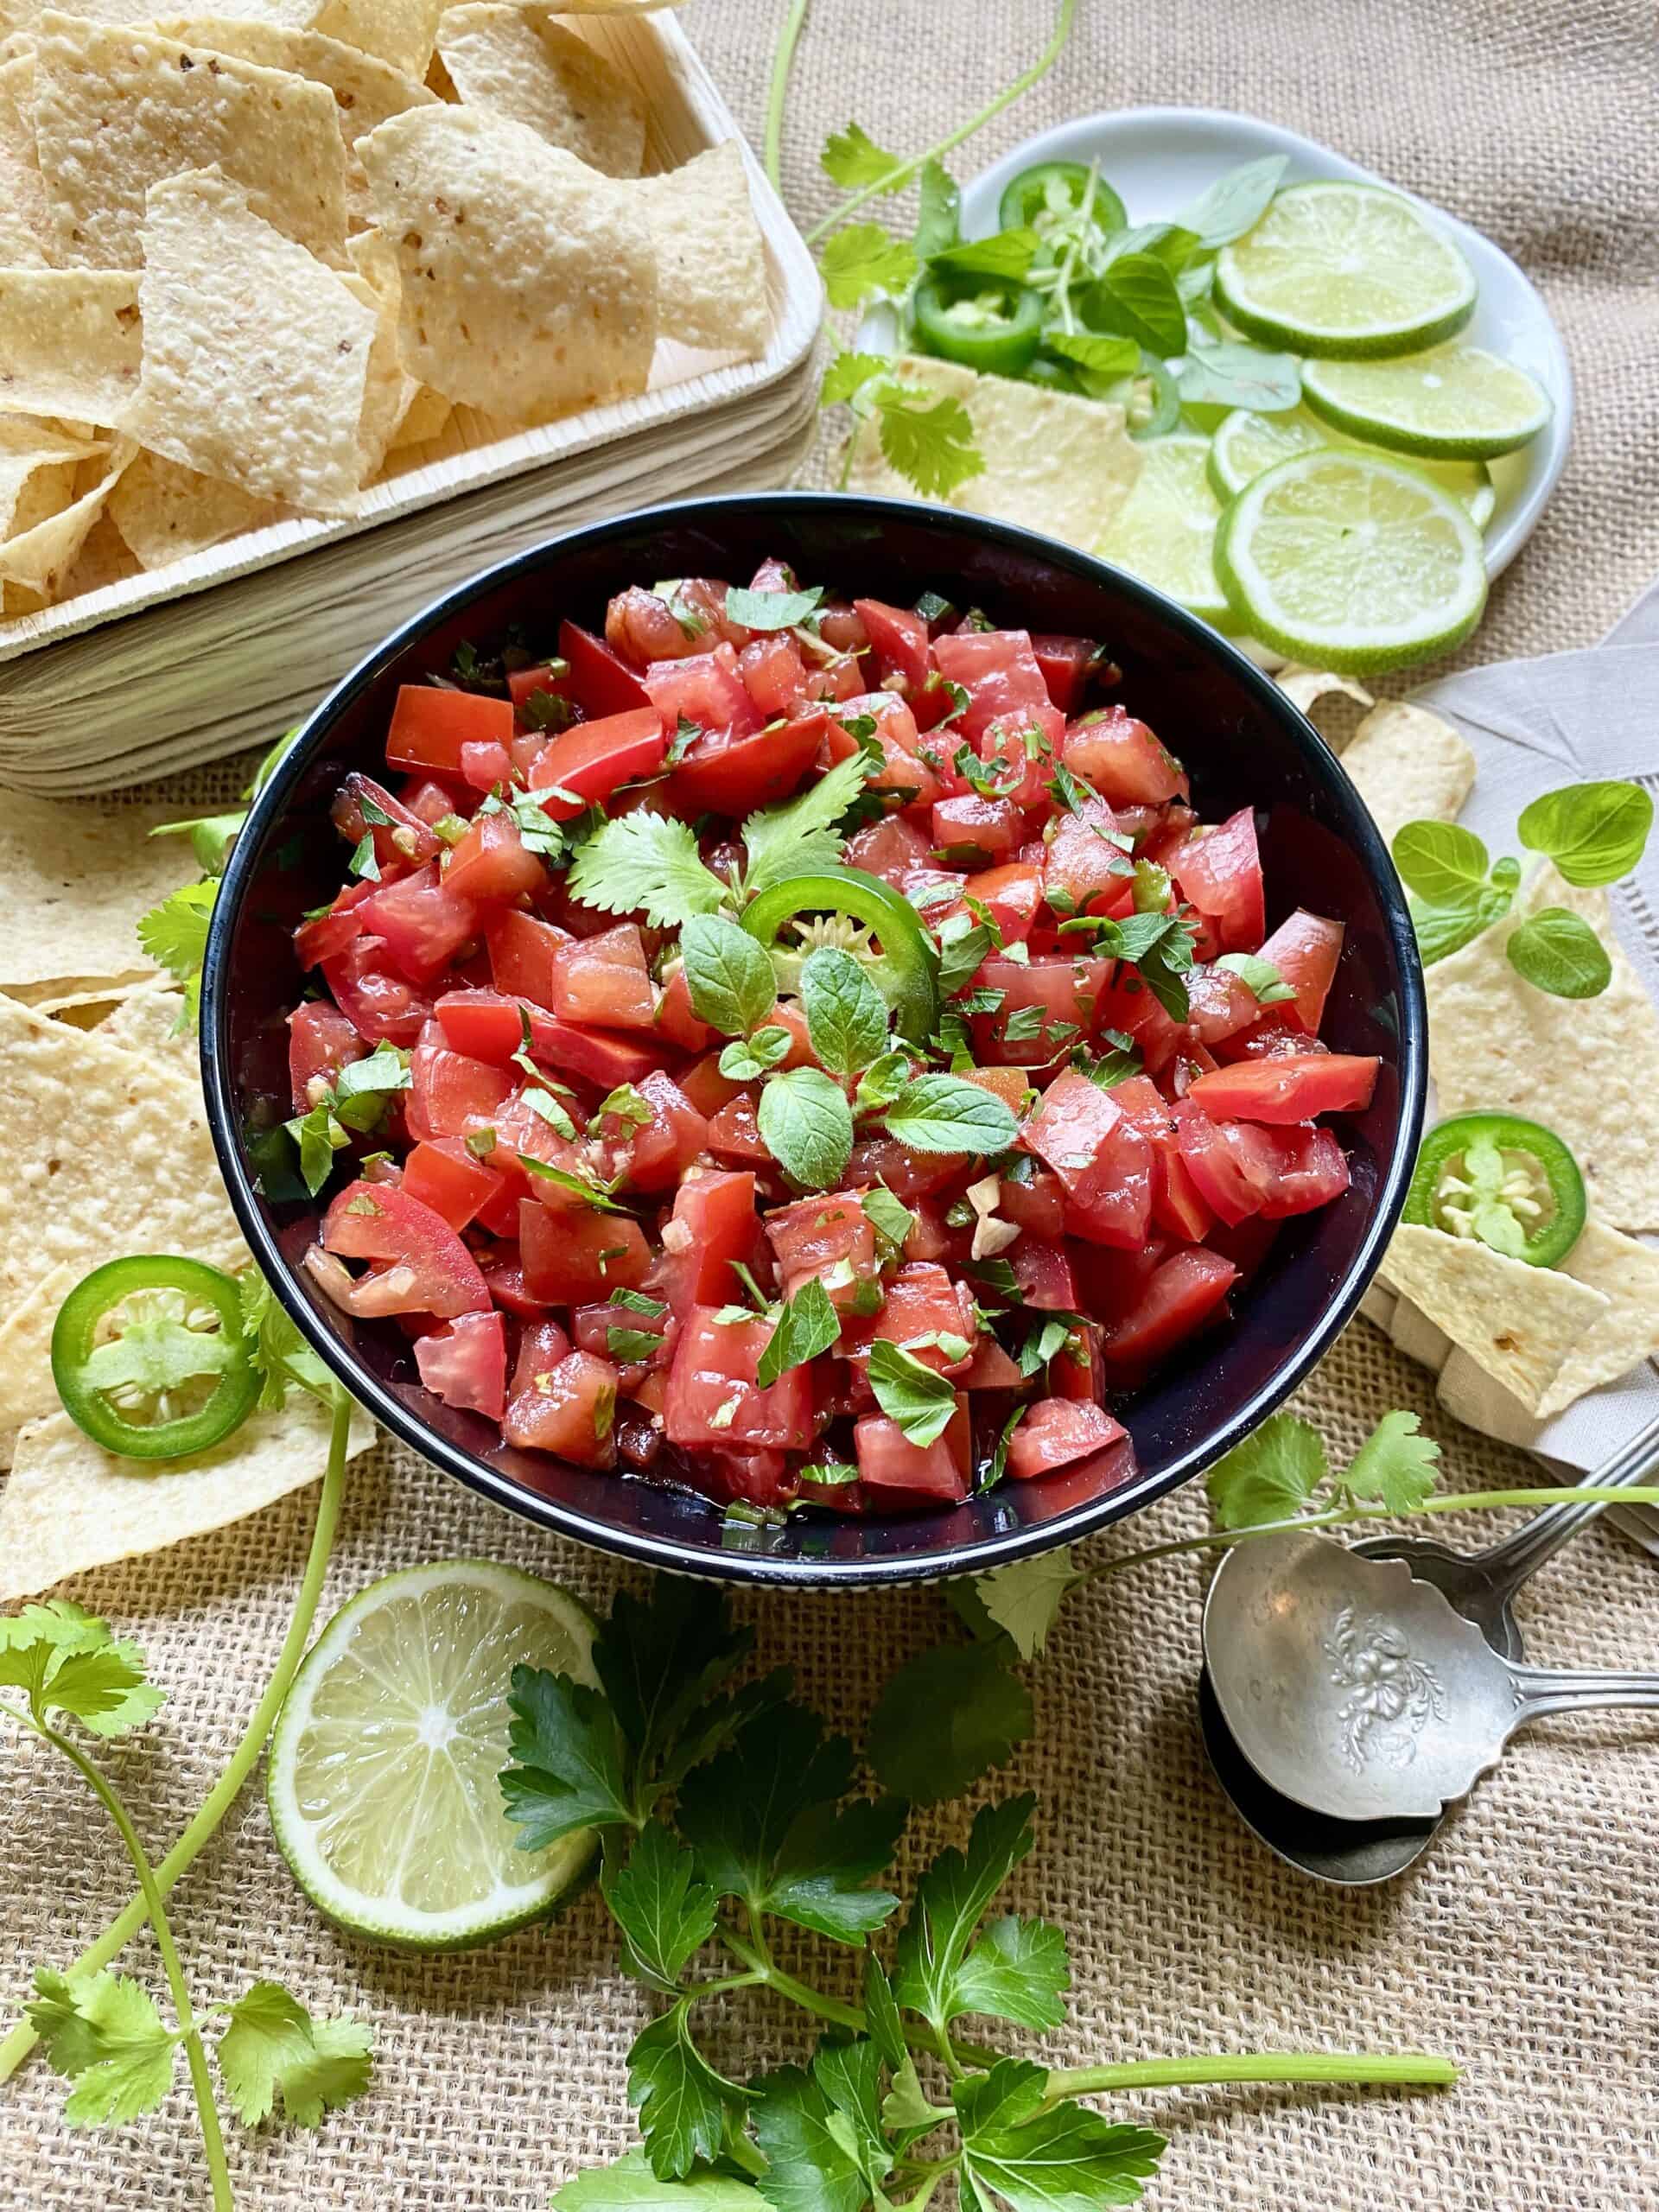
{"points": [[1244, 745]]}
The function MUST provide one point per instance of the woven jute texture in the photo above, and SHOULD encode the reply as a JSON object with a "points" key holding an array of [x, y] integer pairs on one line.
{"points": [[1525, 1945]]}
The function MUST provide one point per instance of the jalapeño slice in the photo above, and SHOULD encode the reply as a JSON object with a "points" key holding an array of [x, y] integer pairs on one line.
{"points": [[993, 327], [1509, 1183], [1049, 194], [150, 1359], [907, 973]]}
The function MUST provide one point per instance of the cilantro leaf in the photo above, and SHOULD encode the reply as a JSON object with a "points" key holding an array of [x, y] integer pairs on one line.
{"points": [[104, 2033], [1395, 1465], [684, 2104], [629, 2185], [807, 1126], [67, 1661], [770, 610], [921, 1401], [665, 1913], [848, 373], [1024, 1600], [808, 1325], [865, 258], [1068, 2159], [930, 444], [939, 210], [799, 834], [852, 159], [1271, 1476], [943, 1112], [273, 2051], [277, 1347], [645, 863], [945, 1719], [175, 935], [846, 1016], [571, 1769], [950, 1901], [1017, 1971]]}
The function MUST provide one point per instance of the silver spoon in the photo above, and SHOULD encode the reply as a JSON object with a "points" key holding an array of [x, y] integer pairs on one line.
{"points": [[1357, 1690], [1482, 1585]]}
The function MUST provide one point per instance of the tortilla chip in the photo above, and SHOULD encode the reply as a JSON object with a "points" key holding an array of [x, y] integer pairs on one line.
{"points": [[519, 63], [530, 284], [711, 258], [78, 873], [1627, 1274], [118, 109], [399, 32], [166, 513], [1410, 765], [148, 1020], [69, 994], [426, 416], [388, 391], [37, 471], [104, 558], [102, 1151], [23, 195], [1053, 463], [69, 1506], [255, 355], [70, 341], [617, 6], [1332, 703], [1520, 1324], [27, 1390], [367, 91], [1588, 1068], [39, 560]]}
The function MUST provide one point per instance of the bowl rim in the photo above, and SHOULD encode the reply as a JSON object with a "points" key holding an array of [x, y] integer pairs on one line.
{"points": [[663, 1551]]}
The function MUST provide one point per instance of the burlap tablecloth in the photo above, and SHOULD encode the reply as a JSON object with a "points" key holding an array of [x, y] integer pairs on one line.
{"points": [[1525, 1945]]}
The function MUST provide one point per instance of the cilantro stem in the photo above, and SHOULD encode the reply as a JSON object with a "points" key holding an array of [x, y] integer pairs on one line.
{"points": [[783, 61], [1352, 2069], [18, 2044], [190, 2034], [894, 179]]}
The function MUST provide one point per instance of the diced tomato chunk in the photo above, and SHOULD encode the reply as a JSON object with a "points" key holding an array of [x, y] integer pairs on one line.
{"points": [[1057, 1431], [734, 771], [399, 838], [1011, 895], [521, 948], [1290, 1087], [1305, 949], [891, 849], [1101, 1157], [1087, 865], [568, 1407], [1122, 760], [326, 936], [448, 1089], [492, 861], [773, 673], [1048, 1005], [734, 1134], [922, 1304], [999, 671], [890, 1465], [977, 832], [1065, 663], [1043, 1273], [379, 1006], [816, 1239], [899, 640], [1231, 1165], [442, 1174], [1036, 1201], [465, 1364], [1183, 1293], [599, 681], [589, 761], [492, 1027], [381, 1222], [714, 1399], [714, 1225], [421, 923], [572, 1253], [655, 1153], [605, 981], [1219, 1004], [429, 725], [321, 1041], [1221, 873], [1310, 1168]]}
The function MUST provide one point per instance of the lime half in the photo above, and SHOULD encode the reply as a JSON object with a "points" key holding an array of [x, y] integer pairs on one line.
{"points": [[383, 1784], [1164, 531], [1456, 403], [1247, 444], [1351, 269], [1352, 562]]}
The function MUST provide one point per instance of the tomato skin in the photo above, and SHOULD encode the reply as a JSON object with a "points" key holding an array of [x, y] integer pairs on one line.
{"points": [[492, 862], [1288, 1087], [998, 670], [989, 829], [1101, 1157], [676, 1022], [655, 1155], [404, 842], [1037, 1204], [1310, 1169], [1305, 949], [713, 1368], [378, 1006], [922, 1300], [442, 1174], [605, 981], [488, 1025], [812, 1236], [521, 948], [1219, 1005], [704, 1085], [599, 681], [901, 771], [326, 935], [429, 725], [909, 1175], [379, 1221], [575, 1254], [991, 1368], [321, 1041], [1183, 1293], [897, 638], [1221, 874], [1012, 895], [896, 1470], [1066, 990], [466, 1363], [891, 849], [714, 1223], [1085, 864], [592, 759], [1064, 662], [421, 923], [706, 689], [1122, 760], [733, 773], [591, 1325], [448, 1089], [522, 684], [1058, 1430], [772, 673], [1043, 1273], [1229, 1164], [568, 1407], [1129, 1006], [734, 1134]]}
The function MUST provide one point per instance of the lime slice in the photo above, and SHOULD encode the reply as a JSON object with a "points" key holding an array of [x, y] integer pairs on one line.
{"points": [[1352, 562], [1457, 403], [1352, 269], [1246, 444], [1165, 530], [383, 1783]]}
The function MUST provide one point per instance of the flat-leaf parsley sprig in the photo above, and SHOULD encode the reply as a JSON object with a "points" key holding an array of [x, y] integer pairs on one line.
{"points": [[726, 1811]]}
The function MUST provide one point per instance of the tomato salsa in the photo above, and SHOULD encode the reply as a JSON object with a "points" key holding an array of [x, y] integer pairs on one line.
{"points": [[807, 1049]]}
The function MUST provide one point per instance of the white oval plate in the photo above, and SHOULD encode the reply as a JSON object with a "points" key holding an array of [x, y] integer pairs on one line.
{"points": [[1159, 159]]}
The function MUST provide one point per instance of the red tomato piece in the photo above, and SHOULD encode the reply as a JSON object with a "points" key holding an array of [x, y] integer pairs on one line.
{"points": [[734, 1134], [447, 1090], [714, 1399], [704, 1085], [1183, 1293], [484, 767], [378, 1006], [1011, 895], [1101, 1157], [909, 1175], [1077, 1370], [493, 863], [1057, 1431], [429, 725], [1221, 874], [403, 841], [521, 948], [999, 671], [523, 684], [813, 1238], [591, 760], [1087, 866], [902, 771], [733, 772], [1037, 1203], [991, 1368], [889, 1464], [1129, 1007], [1219, 1004], [442, 1174], [429, 801], [568, 1408], [714, 1225], [421, 923], [1310, 1169], [491, 1027], [379, 1221], [1232, 1166], [573, 1254], [1122, 760], [1064, 991], [327, 936], [599, 681], [605, 981], [1044, 1272], [1065, 663], [922, 1303], [1290, 1087], [977, 832], [899, 640], [1305, 949], [321, 1041], [891, 849], [655, 1154], [466, 1363], [676, 1022], [705, 688], [773, 673]]}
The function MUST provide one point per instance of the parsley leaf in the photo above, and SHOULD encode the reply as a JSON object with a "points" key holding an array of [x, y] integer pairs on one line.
{"points": [[946, 1719], [1024, 1600], [684, 2105], [943, 1112], [865, 258], [104, 2033], [952, 1900], [807, 1126], [175, 935], [852, 159], [1395, 1465], [808, 1325], [1061, 2160], [274, 2051], [800, 835], [571, 1769], [629, 2185], [821, 2133], [665, 1912], [1017, 1971], [728, 976], [660, 1659], [846, 1016], [645, 863], [1271, 1476]]}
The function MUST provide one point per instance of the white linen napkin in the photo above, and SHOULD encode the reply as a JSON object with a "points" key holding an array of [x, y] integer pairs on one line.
{"points": [[1534, 725]]}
